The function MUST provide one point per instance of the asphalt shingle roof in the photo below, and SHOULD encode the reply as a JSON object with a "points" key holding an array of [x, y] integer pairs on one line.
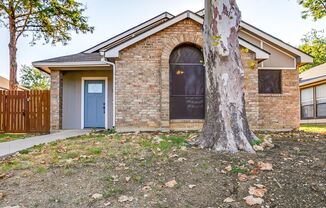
{"points": [[79, 57], [313, 74]]}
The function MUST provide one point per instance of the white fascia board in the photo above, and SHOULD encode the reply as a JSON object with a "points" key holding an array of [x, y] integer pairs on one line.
{"points": [[114, 52], [312, 80], [304, 57], [69, 64], [129, 32], [201, 12], [260, 54]]}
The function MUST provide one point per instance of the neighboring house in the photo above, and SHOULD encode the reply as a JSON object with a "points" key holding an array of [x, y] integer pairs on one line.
{"points": [[151, 77], [4, 84], [313, 95]]}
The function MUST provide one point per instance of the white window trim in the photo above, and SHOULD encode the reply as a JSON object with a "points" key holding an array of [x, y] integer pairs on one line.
{"points": [[83, 100]]}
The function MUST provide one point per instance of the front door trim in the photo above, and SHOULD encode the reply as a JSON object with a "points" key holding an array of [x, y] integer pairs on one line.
{"points": [[106, 99]]}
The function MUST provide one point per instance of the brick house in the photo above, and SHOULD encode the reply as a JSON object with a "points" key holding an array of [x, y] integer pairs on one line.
{"points": [[151, 77]]}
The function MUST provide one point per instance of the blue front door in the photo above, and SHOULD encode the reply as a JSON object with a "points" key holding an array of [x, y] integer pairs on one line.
{"points": [[94, 104]]}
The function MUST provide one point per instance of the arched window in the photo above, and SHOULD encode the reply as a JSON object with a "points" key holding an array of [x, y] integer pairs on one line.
{"points": [[187, 83]]}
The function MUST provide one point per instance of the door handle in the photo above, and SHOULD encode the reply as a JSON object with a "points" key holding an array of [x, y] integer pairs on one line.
{"points": [[104, 108]]}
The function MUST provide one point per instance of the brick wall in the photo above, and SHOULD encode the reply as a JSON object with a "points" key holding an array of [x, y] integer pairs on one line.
{"points": [[142, 86], [56, 100], [281, 111]]}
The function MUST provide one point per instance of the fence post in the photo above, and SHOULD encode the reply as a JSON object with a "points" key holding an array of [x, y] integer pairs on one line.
{"points": [[26, 111], [6, 110]]}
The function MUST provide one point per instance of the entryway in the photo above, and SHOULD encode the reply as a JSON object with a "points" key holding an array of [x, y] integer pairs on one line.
{"points": [[94, 103]]}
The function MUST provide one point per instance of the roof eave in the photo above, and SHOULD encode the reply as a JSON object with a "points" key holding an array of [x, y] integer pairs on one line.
{"points": [[45, 66], [114, 52]]}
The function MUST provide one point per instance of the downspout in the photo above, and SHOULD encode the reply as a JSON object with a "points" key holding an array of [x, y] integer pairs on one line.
{"points": [[103, 59]]}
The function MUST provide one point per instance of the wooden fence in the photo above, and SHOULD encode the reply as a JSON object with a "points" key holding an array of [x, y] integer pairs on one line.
{"points": [[25, 111]]}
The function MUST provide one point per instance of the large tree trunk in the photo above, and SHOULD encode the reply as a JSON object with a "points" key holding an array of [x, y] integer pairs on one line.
{"points": [[13, 85], [226, 127]]}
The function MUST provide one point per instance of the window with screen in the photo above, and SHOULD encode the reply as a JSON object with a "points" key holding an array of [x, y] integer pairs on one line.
{"points": [[270, 81], [187, 83], [321, 100], [307, 103]]}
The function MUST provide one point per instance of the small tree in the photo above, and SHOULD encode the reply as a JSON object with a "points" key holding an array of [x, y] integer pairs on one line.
{"points": [[314, 43], [226, 127], [314, 8], [42, 19], [34, 79]]}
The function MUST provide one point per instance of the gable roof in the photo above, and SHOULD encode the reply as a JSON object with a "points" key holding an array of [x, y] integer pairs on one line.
{"points": [[113, 51], [313, 75], [145, 25], [113, 46], [305, 58]]}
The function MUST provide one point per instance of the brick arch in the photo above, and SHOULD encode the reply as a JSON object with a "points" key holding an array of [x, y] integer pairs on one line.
{"points": [[174, 42]]}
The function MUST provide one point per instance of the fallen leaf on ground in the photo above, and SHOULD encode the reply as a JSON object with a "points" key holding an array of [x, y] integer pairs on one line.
{"points": [[258, 148], [125, 198], [228, 168], [259, 185], [171, 184], [259, 192], [181, 159], [97, 196], [265, 166], [228, 200], [128, 179], [191, 186], [242, 177], [107, 204], [173, 156], [251, 162], [2, 195], [115, 178], [250, 200]]}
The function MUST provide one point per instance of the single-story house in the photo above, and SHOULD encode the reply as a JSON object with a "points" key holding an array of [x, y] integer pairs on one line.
{"points": [[313, 95], [4, 84], [151, 77]]}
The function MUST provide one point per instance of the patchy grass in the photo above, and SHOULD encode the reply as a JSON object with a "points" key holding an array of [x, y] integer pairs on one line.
{"points": [[140, 166], [12, 137], [316, 128]]}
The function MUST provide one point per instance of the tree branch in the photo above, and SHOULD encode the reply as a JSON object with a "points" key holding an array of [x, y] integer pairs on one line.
{"points": [[25, 23]]}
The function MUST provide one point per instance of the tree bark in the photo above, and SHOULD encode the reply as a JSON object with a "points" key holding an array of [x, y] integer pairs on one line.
{"points": [[13, 85], [226, 127]]}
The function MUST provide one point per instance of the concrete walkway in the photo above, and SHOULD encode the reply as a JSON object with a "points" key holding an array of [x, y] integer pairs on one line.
{"points": [[8, 148]]}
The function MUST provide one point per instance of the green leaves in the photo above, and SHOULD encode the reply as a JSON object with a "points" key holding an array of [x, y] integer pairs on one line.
{"points": [[216, 40], [51, 20], [34, 79], [314, 8], [314, 44]]}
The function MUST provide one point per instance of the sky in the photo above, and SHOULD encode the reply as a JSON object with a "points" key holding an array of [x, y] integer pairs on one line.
{"points": [[280, 18]]}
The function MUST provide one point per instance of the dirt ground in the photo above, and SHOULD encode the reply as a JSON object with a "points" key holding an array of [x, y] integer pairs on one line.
{"points": [[160, 170]]}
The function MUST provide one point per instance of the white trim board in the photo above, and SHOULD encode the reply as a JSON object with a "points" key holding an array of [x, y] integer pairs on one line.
{"points": [[114, 52], [129, 32], [83, 79], [304, 57]]}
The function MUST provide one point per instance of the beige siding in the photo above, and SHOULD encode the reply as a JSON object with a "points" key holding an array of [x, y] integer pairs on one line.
{"points": [[72, 96], [278, 58], [249, 38]]}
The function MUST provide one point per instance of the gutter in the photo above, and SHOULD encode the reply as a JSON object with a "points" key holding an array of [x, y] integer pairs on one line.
{"points": [[103, 59]]}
